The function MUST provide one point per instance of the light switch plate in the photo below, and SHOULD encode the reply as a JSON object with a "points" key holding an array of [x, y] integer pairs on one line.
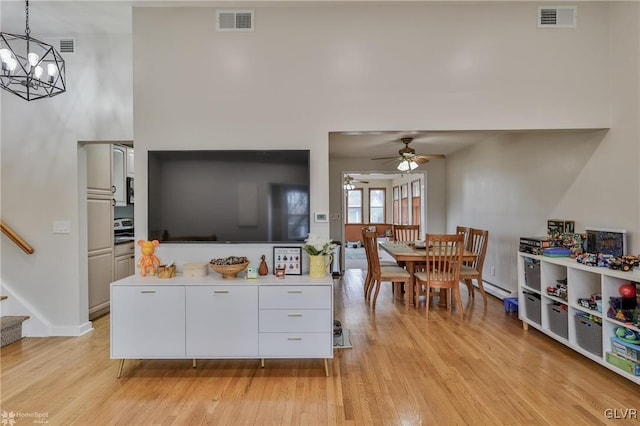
{"points": [[61, 227]]}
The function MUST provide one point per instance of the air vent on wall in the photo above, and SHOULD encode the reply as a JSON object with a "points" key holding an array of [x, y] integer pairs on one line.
{"points": [[235, 20], [557, 16], [67, 46]]}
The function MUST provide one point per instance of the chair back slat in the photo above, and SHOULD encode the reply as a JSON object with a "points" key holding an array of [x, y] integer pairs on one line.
{"points": [[406, 232], [371, 249], [466, 231], [444, 257], [478, 239]]}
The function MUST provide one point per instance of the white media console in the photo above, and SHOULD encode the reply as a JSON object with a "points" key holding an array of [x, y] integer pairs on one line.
{"points": [[211, 317]]}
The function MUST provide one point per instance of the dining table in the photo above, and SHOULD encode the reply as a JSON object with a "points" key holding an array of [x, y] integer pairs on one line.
{"points": [[407, 254]]}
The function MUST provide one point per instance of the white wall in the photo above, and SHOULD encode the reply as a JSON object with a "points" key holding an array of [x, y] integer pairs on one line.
{"points": [[40, 180], [513, 184], [309, 70]]}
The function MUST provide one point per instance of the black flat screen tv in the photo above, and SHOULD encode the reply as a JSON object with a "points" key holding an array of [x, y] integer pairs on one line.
{"points": [[228, 196]]}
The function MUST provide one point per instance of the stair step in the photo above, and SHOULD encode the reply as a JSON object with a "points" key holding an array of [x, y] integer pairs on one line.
{"points": [[11, 328]]}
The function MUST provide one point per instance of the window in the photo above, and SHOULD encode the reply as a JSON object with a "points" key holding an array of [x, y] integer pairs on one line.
{"points": [[415, 202], [396, 205], [377, 209], [354, 206], [404, 204]]}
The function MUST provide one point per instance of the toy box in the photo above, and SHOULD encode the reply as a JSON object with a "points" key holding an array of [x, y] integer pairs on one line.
{"points": [[532, 306], [532, 273], [625, 349], [559, 319], [589, 335], [624, 364]]}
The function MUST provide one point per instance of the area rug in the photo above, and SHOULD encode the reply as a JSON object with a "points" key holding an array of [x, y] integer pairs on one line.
{"points": [[355, 253], [343, 341]]}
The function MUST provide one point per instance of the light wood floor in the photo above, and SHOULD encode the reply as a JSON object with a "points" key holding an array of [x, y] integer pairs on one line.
{"points": [[402, 370]]}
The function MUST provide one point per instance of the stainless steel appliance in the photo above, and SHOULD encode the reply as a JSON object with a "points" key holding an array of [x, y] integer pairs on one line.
{"points": [[123, 230], [129, 190]]}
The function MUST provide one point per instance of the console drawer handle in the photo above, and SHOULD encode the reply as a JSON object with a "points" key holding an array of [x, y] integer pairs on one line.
{"points": [[294, 291], [221, 291], [147, 291], [294, 315], [294, 338]]}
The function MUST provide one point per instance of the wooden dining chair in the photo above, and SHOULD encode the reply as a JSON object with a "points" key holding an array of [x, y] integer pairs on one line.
{"points": [[472, 270], [466, 231], [406, 232], [378, 273], [444, 259], [367, 279]]}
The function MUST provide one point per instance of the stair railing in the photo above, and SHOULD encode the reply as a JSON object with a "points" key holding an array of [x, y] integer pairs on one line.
{"points": [[6, 230]]}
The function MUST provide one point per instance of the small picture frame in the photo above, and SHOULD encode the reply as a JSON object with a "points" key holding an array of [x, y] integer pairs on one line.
{"points": [[289, 259], [321, 217]]}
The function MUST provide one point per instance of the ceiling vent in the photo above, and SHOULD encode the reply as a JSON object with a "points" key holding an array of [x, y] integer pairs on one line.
{"points": [[235, 20], [557, 16]]}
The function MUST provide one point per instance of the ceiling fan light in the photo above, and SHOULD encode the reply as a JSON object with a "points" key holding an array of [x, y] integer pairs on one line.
{"points": [[407, 165]]}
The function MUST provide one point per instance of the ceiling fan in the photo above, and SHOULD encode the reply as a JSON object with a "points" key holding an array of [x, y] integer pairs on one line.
{"points": [[408, 159], [350, 180]]}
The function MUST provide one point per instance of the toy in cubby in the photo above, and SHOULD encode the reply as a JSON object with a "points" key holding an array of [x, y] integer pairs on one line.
{"points": [[624, 308], [594, 302], [560, 290]]}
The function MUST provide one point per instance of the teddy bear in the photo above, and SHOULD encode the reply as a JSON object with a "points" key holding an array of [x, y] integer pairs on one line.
{"points": [[148, 261]]}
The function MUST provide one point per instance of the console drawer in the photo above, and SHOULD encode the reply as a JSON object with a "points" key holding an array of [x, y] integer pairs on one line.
{"points": [[296, 345], [297, 297], [301, 320]]}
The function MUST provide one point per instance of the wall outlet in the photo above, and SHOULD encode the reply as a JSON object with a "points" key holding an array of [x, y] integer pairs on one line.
{"points": [[493, 271], [61, 227]]}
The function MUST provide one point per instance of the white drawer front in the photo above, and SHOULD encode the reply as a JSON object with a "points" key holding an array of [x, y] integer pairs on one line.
{"points": [[296, 345], [300, 320], [297, 297]]}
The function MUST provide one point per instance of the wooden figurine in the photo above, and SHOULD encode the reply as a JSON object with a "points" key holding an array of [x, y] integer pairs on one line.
{"points": [[263, 269]]}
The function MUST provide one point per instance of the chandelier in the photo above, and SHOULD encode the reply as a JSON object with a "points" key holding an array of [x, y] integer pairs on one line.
{"points": [[31, 68]]}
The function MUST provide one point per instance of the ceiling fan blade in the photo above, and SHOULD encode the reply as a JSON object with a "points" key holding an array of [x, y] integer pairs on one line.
{"points": [[429, 157], [386, 158]]}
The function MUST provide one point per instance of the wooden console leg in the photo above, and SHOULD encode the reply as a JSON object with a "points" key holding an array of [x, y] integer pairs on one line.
{"points": [[262, 363], [120, 368], [326, 368], [525, 326], [194, 363]]}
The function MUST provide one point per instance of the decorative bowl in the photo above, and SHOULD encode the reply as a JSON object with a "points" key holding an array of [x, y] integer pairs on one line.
{"points": [[229, 271]]}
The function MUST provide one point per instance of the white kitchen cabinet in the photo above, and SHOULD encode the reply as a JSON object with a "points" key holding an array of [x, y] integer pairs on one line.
{"points": [[147, 321], [558, 318], [222, 321], [99, 169], [212, 317], [130, 168], [119, 177], [100, 252], [124, 260], [100, 271]]}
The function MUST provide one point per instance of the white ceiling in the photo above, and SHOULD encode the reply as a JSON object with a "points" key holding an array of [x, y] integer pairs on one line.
{"points": [[385, 144]]}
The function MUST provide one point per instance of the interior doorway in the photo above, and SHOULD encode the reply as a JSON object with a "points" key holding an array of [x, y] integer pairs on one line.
{"points": [[378, 200]]}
